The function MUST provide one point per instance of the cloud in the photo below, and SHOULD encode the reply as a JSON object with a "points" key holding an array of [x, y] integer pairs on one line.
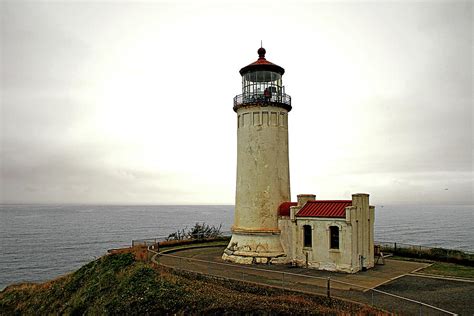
{"points": [[107, 102]]}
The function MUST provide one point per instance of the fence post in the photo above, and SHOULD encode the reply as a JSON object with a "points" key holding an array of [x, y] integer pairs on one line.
{"points": [[394, 248], [372, 294], [283, 279], [329, 287]]}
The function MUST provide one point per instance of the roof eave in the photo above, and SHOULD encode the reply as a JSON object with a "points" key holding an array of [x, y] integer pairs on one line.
{"points": [[256, 67]]}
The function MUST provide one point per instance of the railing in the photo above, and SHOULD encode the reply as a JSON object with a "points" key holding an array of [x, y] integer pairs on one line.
{"points": [[260, 98], [298, 282], [329, 287], [147, 242], [425, 252], [385, 245], [155, 240]]}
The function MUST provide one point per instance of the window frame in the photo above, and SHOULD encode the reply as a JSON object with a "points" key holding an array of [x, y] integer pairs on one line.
{"points": [[307, 236], [334, 237]]}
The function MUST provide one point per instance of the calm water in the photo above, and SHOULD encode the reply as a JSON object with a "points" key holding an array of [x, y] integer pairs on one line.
{"points": [[40, 242]]}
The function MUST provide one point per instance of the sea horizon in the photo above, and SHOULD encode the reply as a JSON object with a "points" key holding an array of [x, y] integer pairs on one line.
{"points": [[43, 241], [225, 204]]}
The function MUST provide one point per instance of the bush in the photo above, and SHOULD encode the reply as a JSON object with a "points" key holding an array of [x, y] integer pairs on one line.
{"points": [[198, 232]]}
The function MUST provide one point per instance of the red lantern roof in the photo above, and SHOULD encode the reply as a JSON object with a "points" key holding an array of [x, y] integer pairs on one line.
{"points": [[334, 208], [284, 209], [262, 64]]}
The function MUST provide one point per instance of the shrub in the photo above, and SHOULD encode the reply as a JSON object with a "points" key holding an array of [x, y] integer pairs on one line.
{"points": [[198, 232]]}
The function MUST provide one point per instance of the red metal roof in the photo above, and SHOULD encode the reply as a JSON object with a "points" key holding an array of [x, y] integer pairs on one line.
{"points": [[284, 209], [262, 64], [333, 208]]}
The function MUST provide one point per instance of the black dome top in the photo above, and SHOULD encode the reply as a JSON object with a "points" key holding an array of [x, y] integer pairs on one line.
{"points": [[262, 64]]}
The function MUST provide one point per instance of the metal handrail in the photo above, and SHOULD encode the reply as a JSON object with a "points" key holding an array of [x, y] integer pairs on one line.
{"points": [[251, 98], [393, 244]]}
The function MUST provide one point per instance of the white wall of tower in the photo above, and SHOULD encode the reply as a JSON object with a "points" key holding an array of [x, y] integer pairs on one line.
{"points": [[263, 176]]}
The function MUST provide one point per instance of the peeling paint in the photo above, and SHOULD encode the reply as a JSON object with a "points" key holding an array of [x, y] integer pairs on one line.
{"points": [[262, 183]]}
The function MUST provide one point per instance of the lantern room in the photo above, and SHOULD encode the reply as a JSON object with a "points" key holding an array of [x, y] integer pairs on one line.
{"points": [[262, 84]]}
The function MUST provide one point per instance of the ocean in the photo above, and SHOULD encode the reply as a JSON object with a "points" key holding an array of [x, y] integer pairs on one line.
{"points": [[41, 242]]}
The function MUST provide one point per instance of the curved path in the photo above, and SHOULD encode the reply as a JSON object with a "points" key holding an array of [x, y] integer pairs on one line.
{"points": [[356, 287]]}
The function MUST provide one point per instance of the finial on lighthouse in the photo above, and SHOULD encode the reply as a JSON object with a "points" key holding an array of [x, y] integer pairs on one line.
{"points": [[261, 52]]}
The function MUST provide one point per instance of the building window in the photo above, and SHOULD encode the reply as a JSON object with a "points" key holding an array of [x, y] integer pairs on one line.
{"points": [[334, 234], [307, 238]]}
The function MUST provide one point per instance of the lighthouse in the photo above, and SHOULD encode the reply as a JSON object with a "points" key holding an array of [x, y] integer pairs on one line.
{"points": [[263, 176]]}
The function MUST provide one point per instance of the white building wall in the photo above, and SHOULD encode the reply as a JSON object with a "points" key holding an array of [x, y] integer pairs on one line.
{"points": [[263, 183], [356, 232], [263, 176], [362, 217], [287, 228]]}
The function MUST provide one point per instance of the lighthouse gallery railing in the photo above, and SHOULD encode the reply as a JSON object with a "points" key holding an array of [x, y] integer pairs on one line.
{"points": [[280, 98]]}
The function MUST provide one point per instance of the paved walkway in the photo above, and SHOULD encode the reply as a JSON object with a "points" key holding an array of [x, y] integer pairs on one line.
{"points": [[356, 287], [372, 278]]}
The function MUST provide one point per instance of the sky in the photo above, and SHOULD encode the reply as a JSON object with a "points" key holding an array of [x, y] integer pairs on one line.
{"points": [[127, 102]]}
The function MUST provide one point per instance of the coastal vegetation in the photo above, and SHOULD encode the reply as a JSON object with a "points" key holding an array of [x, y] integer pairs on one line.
{"points": [[197, 232], [120, 284]]}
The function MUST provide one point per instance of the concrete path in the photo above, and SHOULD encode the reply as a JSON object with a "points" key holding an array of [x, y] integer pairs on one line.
{"points": [[372, 278], [356, 287]]}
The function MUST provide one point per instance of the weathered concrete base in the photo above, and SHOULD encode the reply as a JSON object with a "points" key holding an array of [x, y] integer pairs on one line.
{"points": [[326, 266], [249, 248]]}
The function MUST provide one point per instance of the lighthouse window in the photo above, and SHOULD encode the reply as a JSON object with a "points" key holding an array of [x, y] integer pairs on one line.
{"points": [[254, 84], [334, 237], [307, 238]]}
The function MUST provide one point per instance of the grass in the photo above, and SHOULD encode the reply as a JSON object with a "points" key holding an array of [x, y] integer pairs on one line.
{"points": [[442, 268], [450, 269], [114, 284]]}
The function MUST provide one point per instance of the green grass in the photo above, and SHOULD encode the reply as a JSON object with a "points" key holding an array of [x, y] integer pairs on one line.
{"points": [[449, 269], [114, 284], [442, 268]]}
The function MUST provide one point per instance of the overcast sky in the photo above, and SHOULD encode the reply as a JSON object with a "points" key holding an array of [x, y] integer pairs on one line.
{"points": [[125, 102]]}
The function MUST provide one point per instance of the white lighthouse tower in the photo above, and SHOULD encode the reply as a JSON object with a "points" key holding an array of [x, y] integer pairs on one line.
{"points": [[263, 176]]}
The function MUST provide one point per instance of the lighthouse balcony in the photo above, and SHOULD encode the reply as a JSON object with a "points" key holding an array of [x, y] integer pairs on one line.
{"points": [[275, 99]]}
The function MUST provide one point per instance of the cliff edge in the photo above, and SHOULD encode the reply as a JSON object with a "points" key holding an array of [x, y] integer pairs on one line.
{"points": [[120, 284]]}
